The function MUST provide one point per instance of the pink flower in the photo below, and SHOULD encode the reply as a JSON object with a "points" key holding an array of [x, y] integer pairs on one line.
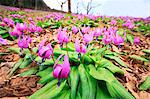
{"points": [[75, 29], [15, 32], [113, 22], [62, 36], [85, 30], [32, 28], [88, 38], [22, 27], [62, 70], [118, 40], [45, 51], [24, 41], [38, 29], [80, 48], [98, 32], [136, 40], [107, 39]]}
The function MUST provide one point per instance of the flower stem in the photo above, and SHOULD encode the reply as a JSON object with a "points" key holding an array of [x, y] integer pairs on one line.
{"points": [[67, 49]]}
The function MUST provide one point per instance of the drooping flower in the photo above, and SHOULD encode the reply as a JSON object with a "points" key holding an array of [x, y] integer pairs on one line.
{"points": [[22, 27], [136, 40], [15, 32], [85, 30], [113, 22], [45, 51], [3, 41], [98, 32], [24, 41], [87, 38], [118, 40], [80, 48], [75, 29], [62, 36], [107, 38], [38, 29], [128, 24], [62, 70], [32, 28]]}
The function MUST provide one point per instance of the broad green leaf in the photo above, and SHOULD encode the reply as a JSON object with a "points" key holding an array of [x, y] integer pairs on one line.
{"points": [[3, 32], [146, 51], [138, 58], [130, 38], [117, 59], [13, 49], [15, 67], [29, 72], [101, 74], [104, 63], [146, 84], [5, 35], [102, 92], [118, 91]]}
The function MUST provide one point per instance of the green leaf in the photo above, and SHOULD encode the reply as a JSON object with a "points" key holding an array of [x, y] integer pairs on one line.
{"points": [[13, 49], [138, 58], [146, 51], [146, 84], [102, 92], [15, 67], [29, 72], [5, 35], [3, 32], [130, 38], [70, 47], [117, 59], [117, 91], [101, 74], [104, 63]]}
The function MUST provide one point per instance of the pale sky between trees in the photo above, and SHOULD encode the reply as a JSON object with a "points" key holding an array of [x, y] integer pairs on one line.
{"points": [[136, 8]]}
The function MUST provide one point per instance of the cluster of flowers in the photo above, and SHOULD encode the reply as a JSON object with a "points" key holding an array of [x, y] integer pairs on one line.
{"points": [[87, 35]]}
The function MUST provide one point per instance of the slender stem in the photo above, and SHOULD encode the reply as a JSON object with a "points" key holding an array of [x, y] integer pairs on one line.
{"points": [[53, 58], [82, 58], [67, 49]]}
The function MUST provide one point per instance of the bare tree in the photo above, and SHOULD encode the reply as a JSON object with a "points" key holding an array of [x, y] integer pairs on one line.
{"points": [[77, 7], [62, 4], [69, 6], [89, 7]]}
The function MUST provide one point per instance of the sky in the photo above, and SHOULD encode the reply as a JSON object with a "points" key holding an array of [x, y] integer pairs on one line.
{"points": [[135, 8]]}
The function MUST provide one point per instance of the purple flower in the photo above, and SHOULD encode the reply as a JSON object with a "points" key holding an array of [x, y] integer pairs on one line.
{"points": [[38, 29], [88, 38], [75, 29], [24, 41], [136, 40], [107, 39], [113, 22], [98, 32], [80, 48], [22, 27], [30, 19], [62, 36], [3, 41], [32, 28], [45, 51], [118, 40], [85, 30], [15, 32], [62, 70], [129, 24], [3, 24]]}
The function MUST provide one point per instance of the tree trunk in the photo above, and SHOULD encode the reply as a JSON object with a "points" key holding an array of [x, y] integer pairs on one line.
{"points": [[69, 6]]}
